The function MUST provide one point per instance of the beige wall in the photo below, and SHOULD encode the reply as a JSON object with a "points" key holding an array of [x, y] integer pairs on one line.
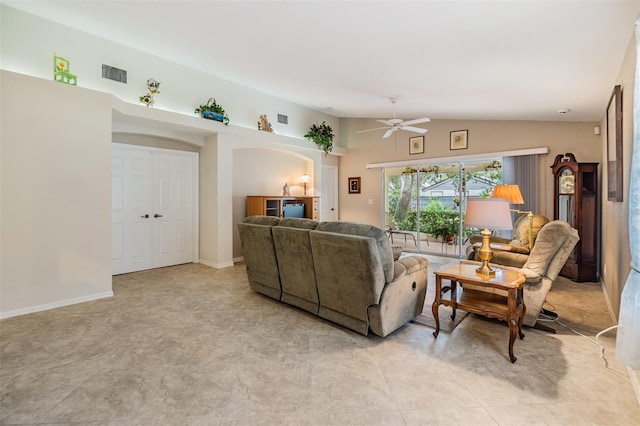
{"points": [[263, 172], [615, 216], [484, 137], [56, 194]]}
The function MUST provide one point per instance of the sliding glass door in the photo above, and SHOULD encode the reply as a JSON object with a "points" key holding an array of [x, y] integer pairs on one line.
{"points": [[425, 204]]}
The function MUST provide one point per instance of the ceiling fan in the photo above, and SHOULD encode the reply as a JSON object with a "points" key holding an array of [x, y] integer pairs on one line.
{"points": [[394, 124]]}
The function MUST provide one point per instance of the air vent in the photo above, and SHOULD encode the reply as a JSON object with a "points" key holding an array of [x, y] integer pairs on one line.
{"points": [[283, 119], [113, 73]]}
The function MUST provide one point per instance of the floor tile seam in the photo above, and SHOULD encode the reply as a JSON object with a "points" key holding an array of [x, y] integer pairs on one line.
{"points": [[157, 385], [234, 389], [403, 411]]}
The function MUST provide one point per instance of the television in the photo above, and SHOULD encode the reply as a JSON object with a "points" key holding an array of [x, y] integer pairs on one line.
{"points": [[293, 210]]}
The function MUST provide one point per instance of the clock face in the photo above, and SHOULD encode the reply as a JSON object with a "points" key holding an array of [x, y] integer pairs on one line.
{"points": [[566, 184]]}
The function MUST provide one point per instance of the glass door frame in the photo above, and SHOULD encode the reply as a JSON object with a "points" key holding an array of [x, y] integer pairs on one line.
{"points": [[456, 200]]}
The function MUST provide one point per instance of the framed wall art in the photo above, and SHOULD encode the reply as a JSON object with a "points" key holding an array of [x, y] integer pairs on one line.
{"points": [[416, 145], [614, 145], [354, 185], [458, 139]]}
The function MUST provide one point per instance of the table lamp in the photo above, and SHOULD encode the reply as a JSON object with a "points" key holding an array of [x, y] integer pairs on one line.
{"points": [[304, 179], [514, 196], [487, 213]]}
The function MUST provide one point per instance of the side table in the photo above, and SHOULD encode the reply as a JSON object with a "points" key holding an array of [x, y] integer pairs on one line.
{"points": [[509, 308]]}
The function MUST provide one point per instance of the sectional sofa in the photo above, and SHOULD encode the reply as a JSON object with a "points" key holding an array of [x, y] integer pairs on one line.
{"points": [[344, 272]]}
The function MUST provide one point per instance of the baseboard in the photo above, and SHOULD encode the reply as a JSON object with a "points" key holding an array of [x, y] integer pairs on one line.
{"points": [[635, 381], [238, 259], [216, 265], [53, 305], [607, 302]]}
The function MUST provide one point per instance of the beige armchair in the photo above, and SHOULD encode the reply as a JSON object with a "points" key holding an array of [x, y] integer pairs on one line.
{"points": [[552, 248], [511, 252]]}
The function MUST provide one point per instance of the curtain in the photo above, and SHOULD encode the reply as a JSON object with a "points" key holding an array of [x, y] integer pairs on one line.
{"points": [[628, 339], [522, 171]]}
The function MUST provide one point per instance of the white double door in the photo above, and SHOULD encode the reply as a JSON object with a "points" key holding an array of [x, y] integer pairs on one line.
{"points": [[154, 200]]}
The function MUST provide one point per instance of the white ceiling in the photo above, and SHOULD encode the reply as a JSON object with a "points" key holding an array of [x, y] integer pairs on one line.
{"points": [[442, 59]]}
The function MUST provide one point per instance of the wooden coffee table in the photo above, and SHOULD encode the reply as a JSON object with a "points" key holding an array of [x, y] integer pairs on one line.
{"points": [[509, 308]]}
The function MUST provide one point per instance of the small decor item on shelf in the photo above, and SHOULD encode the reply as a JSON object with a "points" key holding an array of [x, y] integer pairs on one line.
{"points": [[147, 99], [212, 111], [264, 125], [153, 87], [285, 190], [322, 135], [61, 71]]}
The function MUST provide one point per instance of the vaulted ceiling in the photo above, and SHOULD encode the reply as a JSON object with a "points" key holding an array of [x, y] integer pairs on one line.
{"points": [[511, 60]]}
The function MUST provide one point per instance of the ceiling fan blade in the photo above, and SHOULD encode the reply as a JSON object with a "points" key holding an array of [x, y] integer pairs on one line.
{"points": [[370, 130], [387, 134], [413, 129], [416, 121], [385, 122]]}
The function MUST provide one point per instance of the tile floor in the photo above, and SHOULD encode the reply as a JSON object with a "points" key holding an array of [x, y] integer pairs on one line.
{"points": [[192, 345]]}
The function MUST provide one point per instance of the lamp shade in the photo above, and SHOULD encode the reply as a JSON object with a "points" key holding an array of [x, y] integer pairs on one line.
{"points": [[488, 213], [305, 178], [510, 192]]}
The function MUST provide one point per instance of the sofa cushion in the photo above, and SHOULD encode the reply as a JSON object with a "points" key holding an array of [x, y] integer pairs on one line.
{"points": [[364, 230], [296, 222], [548, 242], [259, 255], [262, 220], [521, 228]]}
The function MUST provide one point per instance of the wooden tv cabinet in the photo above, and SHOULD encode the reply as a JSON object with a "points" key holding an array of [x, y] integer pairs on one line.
{"points": [[273, 205]]}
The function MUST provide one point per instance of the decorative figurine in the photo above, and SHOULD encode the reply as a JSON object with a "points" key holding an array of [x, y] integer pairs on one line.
{"points": [[61, 71], [147, 99], [285, 190], [153, 88], [264, 124]]}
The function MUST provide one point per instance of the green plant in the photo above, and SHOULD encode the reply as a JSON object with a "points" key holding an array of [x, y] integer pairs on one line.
{"points": [[438, 221], [212, 107], [322, 135]]}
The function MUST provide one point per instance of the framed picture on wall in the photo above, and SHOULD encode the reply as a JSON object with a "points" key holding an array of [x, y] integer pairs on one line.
{"points": [[416, 145], [354, 185], [458, 139], [614, 145]]}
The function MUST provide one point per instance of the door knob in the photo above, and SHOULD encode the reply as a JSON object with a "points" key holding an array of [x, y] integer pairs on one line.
{"points": [[146, 216], [157, 215]]}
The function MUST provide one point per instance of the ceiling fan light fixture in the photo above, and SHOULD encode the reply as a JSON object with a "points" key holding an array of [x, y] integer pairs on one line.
{"points": [[394, 124]]}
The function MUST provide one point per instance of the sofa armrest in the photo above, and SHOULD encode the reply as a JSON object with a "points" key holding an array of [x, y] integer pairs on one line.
{"points": [[413, 264]]}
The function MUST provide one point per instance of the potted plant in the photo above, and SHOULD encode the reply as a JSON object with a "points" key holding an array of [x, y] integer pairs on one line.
{"points": [[322, 135], [213, 111]]}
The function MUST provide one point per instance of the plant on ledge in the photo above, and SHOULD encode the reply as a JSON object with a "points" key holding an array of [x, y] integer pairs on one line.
{"points": [[322, 135], [213, 111]]}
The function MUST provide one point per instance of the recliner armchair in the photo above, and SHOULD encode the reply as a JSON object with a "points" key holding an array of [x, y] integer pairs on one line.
{"points": [[552, 248], [514, 252]]}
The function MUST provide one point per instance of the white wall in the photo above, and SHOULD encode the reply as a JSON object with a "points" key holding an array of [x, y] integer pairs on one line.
{"points": [[56, 194], [29, 42], [56, 235]]}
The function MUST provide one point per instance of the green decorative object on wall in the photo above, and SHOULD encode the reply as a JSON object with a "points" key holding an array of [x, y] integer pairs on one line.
{"points": [[61, 71], [213, 111]]}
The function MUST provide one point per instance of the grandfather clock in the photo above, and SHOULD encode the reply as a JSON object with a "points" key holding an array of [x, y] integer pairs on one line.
{"points": [[575, 200]]}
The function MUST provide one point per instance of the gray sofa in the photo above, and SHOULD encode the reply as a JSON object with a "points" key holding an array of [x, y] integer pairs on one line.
{"points": [[342, 271]]}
